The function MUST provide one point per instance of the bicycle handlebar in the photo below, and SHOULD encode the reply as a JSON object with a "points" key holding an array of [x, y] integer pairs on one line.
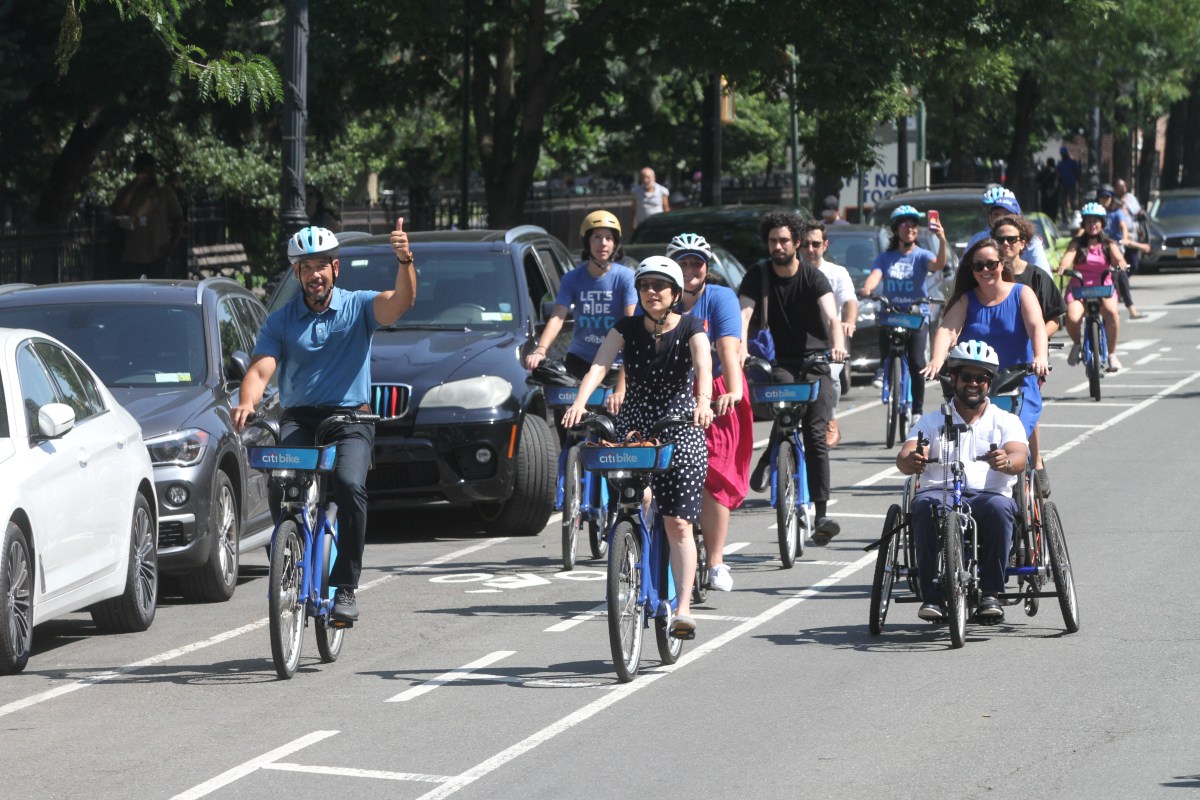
{"points": [[807, 364], [603, 426], [898, 305], [258, 420]]}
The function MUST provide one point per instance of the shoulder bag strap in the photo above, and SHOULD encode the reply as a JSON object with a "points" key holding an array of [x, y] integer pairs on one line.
{"points": [[766, 277]]}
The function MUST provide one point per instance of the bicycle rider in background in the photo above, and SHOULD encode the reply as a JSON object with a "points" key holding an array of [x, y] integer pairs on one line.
{"points": [[990, 473], [1092, 254], [730, 438], [1000, 203], [600, 289], [668, 367], [902, 269], [321, 341]]}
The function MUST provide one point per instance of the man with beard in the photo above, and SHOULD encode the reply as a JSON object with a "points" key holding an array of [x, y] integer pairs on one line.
{"points": [[803, 320], [994, 454], [322, 341]]}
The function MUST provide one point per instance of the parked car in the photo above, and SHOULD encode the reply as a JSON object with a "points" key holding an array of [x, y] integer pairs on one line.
{"points": [[725, 266], [1054, 241], [1174, 223], [856, 247], [78, 499], [733, 227], [461, 423], [173, 353]]}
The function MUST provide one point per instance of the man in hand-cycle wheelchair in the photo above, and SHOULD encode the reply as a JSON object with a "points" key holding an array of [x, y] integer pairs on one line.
{"points": [[995, 450]]}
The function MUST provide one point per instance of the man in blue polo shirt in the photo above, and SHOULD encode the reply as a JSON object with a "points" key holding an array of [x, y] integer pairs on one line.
{"points": [[321, 341]]}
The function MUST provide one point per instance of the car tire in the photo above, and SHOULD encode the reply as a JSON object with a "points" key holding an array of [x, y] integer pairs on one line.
{"points": [[531, 503], [16, 600], [215, 581], [133, 610]]}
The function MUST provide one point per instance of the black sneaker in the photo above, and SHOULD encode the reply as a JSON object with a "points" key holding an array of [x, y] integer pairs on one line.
{"points": [[990, 609], [827, 528], [344, 605], [1043, 481], [758, 478], [931, 612]]}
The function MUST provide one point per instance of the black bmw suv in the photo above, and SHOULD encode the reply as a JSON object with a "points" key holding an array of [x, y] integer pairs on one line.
{"points": [[460, 422], [173, 353]]}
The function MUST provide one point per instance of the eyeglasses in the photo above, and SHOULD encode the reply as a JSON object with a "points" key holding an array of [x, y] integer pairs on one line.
{"points": [[811, 245], [653, 286], [975, 378], [989, 265], [1007, 239]]}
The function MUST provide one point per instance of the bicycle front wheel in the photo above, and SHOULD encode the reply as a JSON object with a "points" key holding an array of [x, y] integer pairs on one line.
{"points": [[954, 585], [572, 517], [1095, 366], [786, 523], [329, 638], [285, 604], [885, 571], [1060, 568], [895, 401], [625, 626]]}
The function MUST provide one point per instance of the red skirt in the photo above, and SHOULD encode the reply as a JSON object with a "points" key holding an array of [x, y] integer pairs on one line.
{"points": [[730, 440]]}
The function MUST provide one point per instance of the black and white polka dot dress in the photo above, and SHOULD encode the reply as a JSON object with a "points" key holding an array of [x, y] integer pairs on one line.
{"points": [[659, 383]]}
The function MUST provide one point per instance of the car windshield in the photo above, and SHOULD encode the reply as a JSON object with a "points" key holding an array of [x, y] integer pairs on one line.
{"points": [[1176, 207], [477, 290], [127, 344], [855, 252], [739, 237], [1044, 229]]}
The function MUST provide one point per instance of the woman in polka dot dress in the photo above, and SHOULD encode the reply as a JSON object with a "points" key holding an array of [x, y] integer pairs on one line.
{"points": [[665, 356]]}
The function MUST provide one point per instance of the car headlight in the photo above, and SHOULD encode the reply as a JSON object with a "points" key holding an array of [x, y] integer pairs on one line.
{"points": [[182, 448], [487, 391]]}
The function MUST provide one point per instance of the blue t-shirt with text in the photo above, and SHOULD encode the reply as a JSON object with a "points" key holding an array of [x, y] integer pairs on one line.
{"points": [[903, 274], [599, 303]]}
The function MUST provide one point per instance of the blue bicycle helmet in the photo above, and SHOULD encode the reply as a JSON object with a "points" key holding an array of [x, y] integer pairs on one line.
{"points": [[1093, 210], [994, 193], [905, 211]]}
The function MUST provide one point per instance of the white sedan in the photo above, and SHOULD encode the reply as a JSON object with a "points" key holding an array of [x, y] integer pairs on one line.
{"points": [[79, 509]]}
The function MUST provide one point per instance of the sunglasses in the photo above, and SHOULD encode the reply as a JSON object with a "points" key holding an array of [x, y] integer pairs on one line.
{"points": [[989, 265], [811, 245], [975, 378], [653, 286], [1007, 239]]}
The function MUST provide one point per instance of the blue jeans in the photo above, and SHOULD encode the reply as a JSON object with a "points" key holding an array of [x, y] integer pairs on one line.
{"points": [[355, 444], [993, 515]]}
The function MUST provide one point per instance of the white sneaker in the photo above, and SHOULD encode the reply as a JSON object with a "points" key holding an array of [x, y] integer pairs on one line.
{"points": [[1073, 356], [719, 578], [1113, 363]]}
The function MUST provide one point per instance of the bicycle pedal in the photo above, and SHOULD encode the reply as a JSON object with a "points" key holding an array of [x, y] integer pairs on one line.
{"points": [[340, 623]]}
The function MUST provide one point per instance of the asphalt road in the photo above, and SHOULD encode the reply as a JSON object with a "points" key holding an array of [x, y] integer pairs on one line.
{"points": [[480, 670]]}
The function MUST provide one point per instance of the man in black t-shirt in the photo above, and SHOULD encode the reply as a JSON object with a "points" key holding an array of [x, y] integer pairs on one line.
{"points": [[802, 318]]}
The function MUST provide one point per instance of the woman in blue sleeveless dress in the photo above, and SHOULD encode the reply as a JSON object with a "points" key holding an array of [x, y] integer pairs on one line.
{"points": [[989, 305]]}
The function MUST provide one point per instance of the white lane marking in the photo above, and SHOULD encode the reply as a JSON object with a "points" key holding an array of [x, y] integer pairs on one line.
{"points": [[83, 683], [451, 676], [1136, 344], [1146, 359], [567, 624], [721, 617], [1139, 385], [863, 516], [733, 547], [1129, 412], [242, 770], [1062, 425], [625, 690], [884, 474], [1147, 316], [483, 591], [1075, 403], [350, 772]]}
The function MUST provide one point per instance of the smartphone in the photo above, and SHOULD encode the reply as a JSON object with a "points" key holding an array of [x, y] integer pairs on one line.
{"points": [[934, 217]]}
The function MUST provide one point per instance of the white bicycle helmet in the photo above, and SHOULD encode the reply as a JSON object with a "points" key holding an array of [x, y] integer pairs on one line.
{"points": [[974, 353], [312, 241], [662, 267], [689, 244]]}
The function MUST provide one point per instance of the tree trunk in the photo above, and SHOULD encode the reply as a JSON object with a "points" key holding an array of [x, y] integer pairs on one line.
{"points": [[1147, 162], [1122, 148], [1020, 174], [962, 149], [1191, 139], [73, 164], [1173, 149]]}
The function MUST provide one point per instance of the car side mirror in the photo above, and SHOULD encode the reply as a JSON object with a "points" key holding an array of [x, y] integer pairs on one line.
{"points": [[55, 420], [238, 366]]}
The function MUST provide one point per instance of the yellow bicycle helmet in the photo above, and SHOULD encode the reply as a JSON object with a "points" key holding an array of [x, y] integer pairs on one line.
{"points": [[599, 219]]}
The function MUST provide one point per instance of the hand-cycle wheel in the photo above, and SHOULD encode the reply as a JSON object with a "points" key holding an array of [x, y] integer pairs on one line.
{"points": [[329, 636], [572, 516], [1060, 567], [786, 522], [286, 606], [885, 570], [625, 626]]}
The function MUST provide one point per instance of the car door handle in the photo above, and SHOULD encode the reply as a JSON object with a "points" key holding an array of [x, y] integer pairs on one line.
{"points": [[84, 457]]}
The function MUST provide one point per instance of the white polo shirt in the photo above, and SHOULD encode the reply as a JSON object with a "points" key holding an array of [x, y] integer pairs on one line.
{"points": [[994, 426]]}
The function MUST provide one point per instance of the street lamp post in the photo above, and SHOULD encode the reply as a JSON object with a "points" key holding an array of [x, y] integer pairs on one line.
{"points": [[292, 213]]}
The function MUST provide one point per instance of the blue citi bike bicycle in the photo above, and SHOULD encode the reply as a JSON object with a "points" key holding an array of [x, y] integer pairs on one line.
{"points": [[640, 585], [581, 495], [899, 320], [788, 477], [1094, 340], [303, 544]]}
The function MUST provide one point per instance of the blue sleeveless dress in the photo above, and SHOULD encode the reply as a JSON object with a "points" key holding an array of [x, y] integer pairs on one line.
{"points": [[1002, 327]]}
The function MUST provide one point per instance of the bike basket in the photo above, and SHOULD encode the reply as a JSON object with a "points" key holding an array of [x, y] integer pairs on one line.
{"points": [[784, 392], [563, 396], [600, 458], [302, 459], [1009, 402], [1090, 292], [894, 319]]}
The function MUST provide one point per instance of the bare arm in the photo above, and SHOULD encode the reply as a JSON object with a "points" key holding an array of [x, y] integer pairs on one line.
{"points": [[1035, 327], [253, 385], [606, 355], [833, 328], [702, 362], [549, 334], [391, 305], [729, 351], [945, 337]]}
